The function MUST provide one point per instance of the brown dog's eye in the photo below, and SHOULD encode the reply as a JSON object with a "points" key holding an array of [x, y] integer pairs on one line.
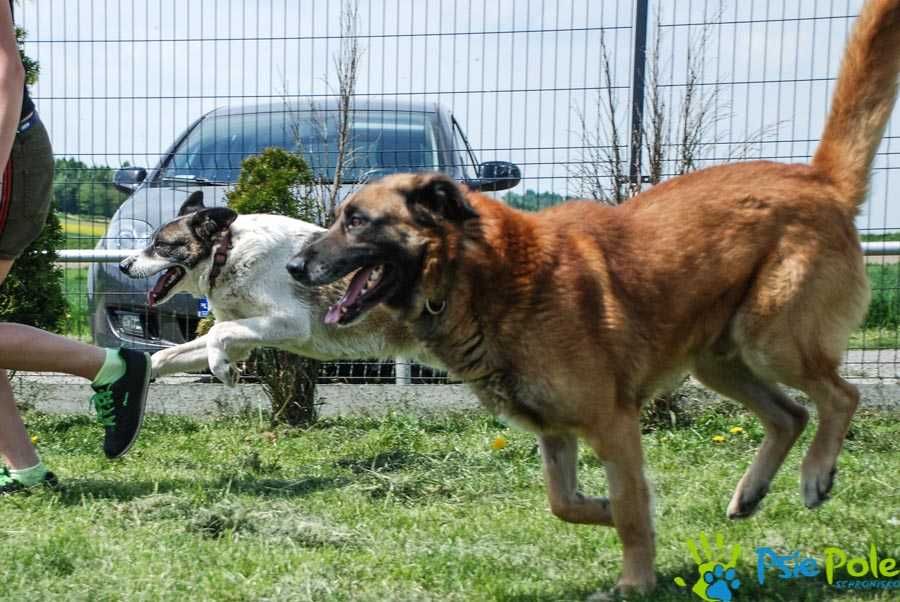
{"points": [[355, 222]]}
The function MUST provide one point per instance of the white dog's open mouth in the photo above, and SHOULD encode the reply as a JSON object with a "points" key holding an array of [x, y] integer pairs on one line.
{"points": [[165, 284]]}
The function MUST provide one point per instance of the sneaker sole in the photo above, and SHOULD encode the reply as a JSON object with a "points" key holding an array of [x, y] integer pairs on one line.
{"points": [[143, 406]]}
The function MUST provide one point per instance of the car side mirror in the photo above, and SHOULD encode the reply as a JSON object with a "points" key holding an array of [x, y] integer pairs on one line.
{"points": [[496, 175], [128, 179]]}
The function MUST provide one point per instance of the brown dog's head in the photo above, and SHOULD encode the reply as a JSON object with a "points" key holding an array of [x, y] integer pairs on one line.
{"points": [[393, 234]]}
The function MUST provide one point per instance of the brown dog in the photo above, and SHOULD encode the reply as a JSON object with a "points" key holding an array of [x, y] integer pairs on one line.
{"points": [[565, 320]]}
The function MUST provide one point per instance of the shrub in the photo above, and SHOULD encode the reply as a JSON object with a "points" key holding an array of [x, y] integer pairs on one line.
{"points": [[276, 181], [32, 293]]}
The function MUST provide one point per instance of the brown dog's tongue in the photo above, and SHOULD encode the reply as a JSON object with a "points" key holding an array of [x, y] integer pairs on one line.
{"points": [[333, 316]]}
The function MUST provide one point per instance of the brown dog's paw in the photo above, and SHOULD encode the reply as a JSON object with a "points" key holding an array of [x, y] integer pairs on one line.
{"points": [[744, 504], [816, 489]]}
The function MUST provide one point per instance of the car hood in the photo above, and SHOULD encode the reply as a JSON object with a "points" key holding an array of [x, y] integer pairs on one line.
{"points": [[157, 205]]}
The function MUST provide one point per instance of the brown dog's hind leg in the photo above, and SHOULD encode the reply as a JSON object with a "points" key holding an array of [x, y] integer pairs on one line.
{"points": [[560, 455], [836, 402], [618, 445], [783, 418]]}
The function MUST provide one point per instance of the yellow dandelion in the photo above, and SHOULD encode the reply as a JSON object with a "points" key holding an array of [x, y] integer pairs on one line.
{"points": [[499, 442], [34, 440], [718, 439], [735, 430]]}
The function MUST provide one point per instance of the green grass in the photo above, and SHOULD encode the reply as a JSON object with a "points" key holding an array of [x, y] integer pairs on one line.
{"points": [[77, 323], [404, 509], [875, 338], [82, 231], [884, 309]]}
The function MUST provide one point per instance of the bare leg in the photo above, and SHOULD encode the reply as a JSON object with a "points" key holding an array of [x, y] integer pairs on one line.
{"points": [[15, 445], [34, 350], [560, 455], [26, 348]]}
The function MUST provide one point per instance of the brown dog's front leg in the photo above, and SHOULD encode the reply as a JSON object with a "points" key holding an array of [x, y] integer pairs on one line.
{"points": [[560, 455], [619, 447]]}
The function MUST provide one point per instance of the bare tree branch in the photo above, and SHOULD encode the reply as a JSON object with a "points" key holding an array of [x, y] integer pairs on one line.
{"points": [[656, 133], [601, 172], [675, 141], [346, 66]]}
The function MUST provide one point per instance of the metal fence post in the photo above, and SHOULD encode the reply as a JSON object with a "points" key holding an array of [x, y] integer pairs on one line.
{"points": [[402, 372], [637, 89]]}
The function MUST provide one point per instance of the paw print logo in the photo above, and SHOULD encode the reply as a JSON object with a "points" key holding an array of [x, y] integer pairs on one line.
{"points": [[716, 576], [721, 583]]}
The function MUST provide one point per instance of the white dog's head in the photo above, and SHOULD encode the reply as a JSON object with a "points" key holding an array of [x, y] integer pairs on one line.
{"points": [[178, 247]]}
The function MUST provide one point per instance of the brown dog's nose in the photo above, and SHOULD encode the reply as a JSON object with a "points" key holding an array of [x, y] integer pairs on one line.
{"points": [[296, 267]]}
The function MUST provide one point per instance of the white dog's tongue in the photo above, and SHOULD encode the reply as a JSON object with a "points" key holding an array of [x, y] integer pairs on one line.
{"points": [[333, 316], [159, 288]]}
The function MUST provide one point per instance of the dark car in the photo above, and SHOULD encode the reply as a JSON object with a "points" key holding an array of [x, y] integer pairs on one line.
{"points": [[385, 137]]}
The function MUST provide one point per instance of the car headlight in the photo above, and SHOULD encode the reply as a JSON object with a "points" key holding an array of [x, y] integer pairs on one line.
{"points": [[126, 233]]}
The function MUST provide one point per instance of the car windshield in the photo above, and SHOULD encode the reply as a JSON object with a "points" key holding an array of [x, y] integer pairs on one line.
{"points": [[380, 142]]}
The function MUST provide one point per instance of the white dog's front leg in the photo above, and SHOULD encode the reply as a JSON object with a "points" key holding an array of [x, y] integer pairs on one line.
{"points": [[229, 342], [187, 357]]}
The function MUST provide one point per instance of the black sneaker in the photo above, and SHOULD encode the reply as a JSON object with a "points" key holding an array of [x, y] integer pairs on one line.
{"points": [[9, 485], [120, 405]]}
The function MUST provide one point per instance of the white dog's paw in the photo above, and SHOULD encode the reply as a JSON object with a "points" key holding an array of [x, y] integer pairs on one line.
{"points": [[223, 368]]}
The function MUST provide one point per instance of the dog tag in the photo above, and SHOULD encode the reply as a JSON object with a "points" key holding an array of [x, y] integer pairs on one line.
{"points": [[202, 307]]}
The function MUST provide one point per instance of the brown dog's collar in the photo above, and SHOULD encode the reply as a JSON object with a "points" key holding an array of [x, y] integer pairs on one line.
{"points": [[431, 305], [220, 255]]}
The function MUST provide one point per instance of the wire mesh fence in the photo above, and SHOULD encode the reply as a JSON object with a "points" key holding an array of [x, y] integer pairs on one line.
{"points": [[588, 99]]}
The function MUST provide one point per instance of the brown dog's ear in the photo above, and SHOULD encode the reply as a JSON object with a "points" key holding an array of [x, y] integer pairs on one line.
{"points": [[435, 195], [192, 204], [209, 222]]}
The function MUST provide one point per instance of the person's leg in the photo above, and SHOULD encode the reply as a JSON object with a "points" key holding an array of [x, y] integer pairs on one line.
{"points": [[34, 350], [16, 449], [15, 445], [119, 377]]}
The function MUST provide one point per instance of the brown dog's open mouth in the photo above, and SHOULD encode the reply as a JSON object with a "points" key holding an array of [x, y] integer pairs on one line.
{"points": [[367, 288], [165, 284]]}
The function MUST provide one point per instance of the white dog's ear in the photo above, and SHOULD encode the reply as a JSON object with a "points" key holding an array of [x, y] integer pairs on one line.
{"points": [[209, 222], [192, 204]]}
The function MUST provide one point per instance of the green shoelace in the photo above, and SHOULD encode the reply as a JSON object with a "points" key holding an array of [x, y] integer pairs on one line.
{"points": [[104, 404], [5, 479]]}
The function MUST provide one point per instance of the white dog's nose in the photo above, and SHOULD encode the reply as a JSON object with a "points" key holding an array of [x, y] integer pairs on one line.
{"points": [[125, 265]]}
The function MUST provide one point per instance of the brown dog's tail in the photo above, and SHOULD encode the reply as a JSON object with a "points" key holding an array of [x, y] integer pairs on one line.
{"points": [[863, 100]]}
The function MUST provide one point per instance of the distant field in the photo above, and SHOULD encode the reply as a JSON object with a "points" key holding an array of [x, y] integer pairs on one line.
{"points": [[884, 236], [82, 231]]}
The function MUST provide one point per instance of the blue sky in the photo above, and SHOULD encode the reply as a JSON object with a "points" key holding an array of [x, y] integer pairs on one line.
{"points": [[120, 80]]}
